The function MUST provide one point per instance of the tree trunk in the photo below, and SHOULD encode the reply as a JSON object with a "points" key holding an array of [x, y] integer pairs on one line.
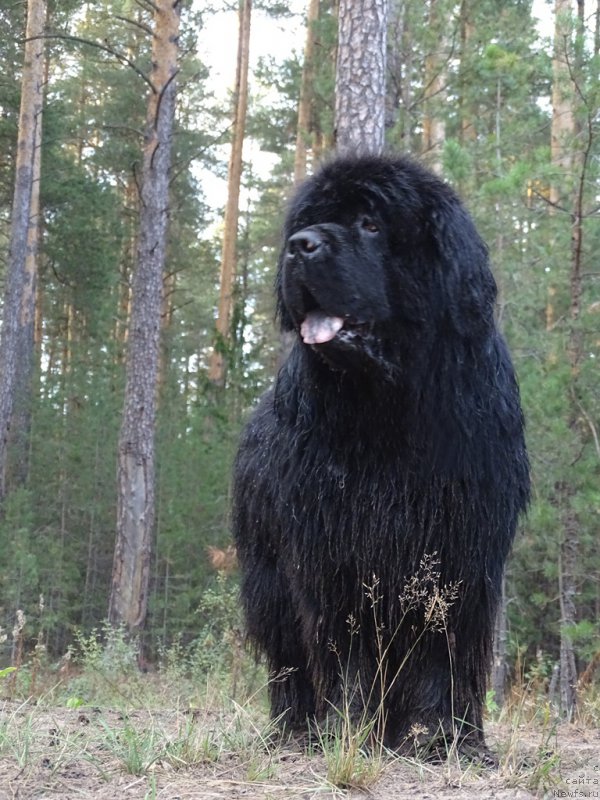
{"points": [[131, 204], [468, 132], [569, 156], [20, 425], [499, 671], [32, 90], [434, 128], [360, 76], [562, 128], [581, 150], [306, 95], [136, 470], [568, 616], [217, 367]]}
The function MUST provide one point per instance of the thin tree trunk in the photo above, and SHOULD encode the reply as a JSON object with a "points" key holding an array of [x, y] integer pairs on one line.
{"points": [[360, 76], [499, 665], [567, 192], [563, 118], [568, 614], [130, 247], [217, 367], [20, 426], [581, 148], [306, 94], [29, 119], [434, 128], [468, 132], [136, 461]]}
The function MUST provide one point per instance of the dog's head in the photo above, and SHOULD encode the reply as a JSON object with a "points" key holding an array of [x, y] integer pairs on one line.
{"points": [[377, 252]]}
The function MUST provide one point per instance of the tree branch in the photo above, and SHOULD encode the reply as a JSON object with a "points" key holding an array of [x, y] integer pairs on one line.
{"points": [[104, 47], [162, 94], [136, 24], [146, 4], [591, 425], [549, 202]]}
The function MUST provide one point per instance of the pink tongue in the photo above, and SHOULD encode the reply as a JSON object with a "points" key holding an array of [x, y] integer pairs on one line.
{"points": [[318, 328]]}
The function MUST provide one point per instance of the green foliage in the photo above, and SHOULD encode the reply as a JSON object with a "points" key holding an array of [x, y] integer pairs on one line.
{"points": [[221, 621], [108, 668], [456, 161], [107, 661], [84, 240], [135, 749], [216, 650], [107, 651], [57, 531], [491, 706], [20, 569]]}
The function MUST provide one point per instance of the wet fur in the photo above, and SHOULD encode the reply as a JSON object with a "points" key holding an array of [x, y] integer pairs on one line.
{"points": [[399, 440]]}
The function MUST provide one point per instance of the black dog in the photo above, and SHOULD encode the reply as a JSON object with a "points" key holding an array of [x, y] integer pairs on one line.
{"points": [[378, 485]]}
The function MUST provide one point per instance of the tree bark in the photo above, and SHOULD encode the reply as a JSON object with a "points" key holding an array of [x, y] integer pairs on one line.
{"points": [[568, 615], [32, 92], [499, 670], [136, 459], [360, 76], [217, 368], [569, 155], [434, 128], [306, 95], [562, 128], [20, 425], [468, 131]]}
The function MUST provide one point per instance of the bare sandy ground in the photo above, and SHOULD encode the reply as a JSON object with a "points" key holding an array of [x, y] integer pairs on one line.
{"points": [[65, 754]]}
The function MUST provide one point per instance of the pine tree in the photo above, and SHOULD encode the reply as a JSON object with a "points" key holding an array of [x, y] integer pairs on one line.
{"points": [[11, 343], [434, 130], [217, 368], [305, 102], [360, 76], [128, 602]]}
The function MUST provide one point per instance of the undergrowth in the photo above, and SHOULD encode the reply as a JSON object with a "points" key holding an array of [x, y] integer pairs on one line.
{"points": [[204, 703]]}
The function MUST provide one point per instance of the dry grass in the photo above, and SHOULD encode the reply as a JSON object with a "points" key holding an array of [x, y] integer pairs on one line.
{"points": [[94, 753], [222, 749], [103, 730]]}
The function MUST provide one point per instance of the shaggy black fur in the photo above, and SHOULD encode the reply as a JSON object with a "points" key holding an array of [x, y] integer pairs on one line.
{"points": [[387, 467]]}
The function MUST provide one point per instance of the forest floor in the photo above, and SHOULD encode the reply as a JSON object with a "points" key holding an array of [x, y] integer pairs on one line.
{"points": [[58, 752]]}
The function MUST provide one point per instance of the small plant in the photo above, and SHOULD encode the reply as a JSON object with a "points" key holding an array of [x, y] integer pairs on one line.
{"points": [[75, 702], [109, 650], [40, 649], [588, 710], [17, 736], [136, 750], [353, 742], [538, 771], [216, 655], [491, 706], [220, 614], [351, 762], [192, 745], [108, 659], [6, 672], [151, 794], [18, 644]]}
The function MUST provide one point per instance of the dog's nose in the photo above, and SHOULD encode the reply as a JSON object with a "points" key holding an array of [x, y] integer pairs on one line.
{"points": [[305, 243]]}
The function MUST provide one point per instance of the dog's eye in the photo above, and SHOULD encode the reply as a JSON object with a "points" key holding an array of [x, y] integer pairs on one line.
{"points": [[368, 225]]}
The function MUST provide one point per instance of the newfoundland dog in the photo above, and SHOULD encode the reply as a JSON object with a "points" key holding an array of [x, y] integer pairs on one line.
{"points": [[378, 484]]}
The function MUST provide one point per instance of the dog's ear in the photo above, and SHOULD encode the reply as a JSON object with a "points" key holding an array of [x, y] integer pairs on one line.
{"points": [[469, 286]]}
